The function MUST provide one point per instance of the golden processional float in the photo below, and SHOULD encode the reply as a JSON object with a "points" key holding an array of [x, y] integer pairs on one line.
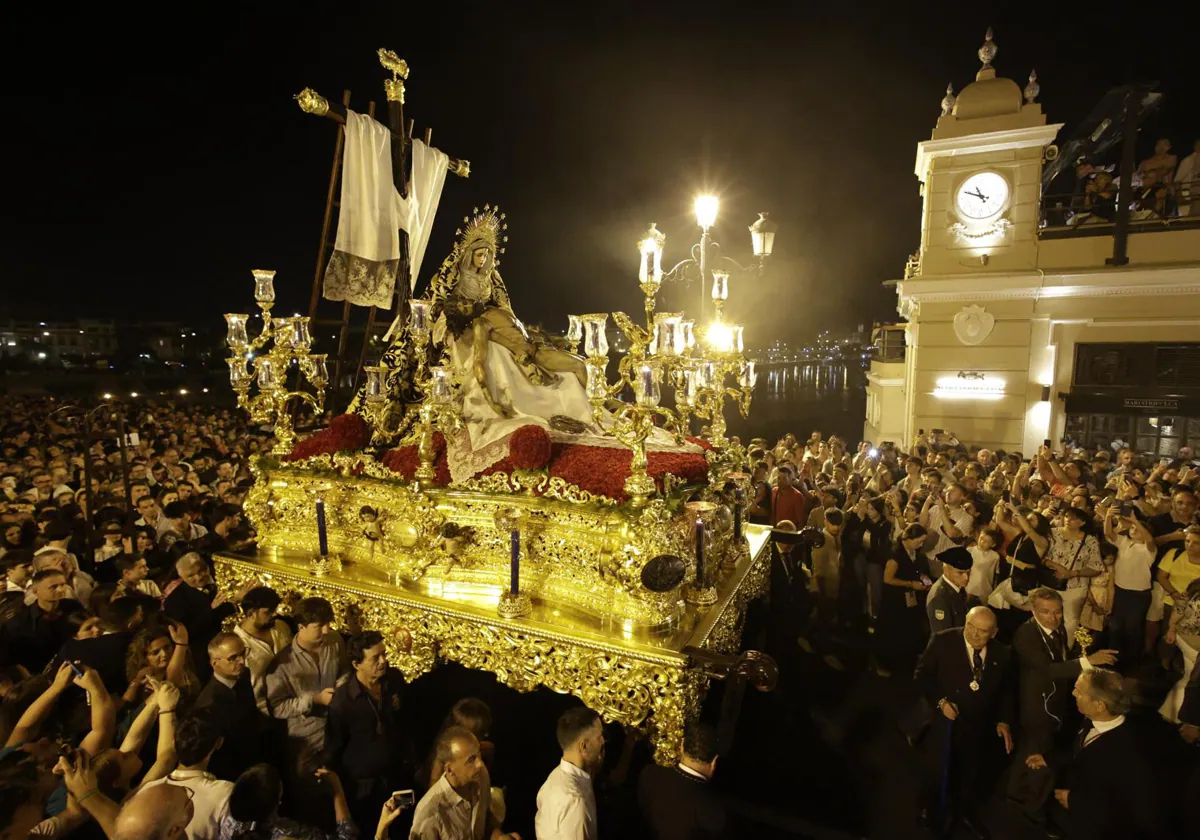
{"points": [[489, 497]]}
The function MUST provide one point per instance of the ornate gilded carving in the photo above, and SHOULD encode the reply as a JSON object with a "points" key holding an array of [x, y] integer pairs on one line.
{"points": [[640, 685]]}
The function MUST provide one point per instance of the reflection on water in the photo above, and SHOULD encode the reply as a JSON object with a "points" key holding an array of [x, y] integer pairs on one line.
{"points": [[803, 397]]}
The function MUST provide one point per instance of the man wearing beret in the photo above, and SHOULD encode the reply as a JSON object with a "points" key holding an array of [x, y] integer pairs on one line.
{"points": [[948, 599]]}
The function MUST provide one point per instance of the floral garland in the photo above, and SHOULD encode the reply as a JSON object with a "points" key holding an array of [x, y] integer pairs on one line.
{"points": [[345, 433]]}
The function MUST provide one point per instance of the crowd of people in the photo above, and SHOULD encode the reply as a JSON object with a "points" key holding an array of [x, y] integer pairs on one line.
{"points": [[1043, 612], [1164, 187], [137, 702]]}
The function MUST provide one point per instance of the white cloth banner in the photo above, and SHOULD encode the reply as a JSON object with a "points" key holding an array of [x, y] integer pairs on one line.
{"points": [[366, 253], [429, 168]]}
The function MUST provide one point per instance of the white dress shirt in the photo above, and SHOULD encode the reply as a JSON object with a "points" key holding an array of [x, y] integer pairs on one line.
{"points": [[210, 803], [566, 805], [1099, 727]]}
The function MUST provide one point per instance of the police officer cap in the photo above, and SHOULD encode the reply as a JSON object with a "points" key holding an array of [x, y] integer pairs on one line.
{"points": [[956, 558]]}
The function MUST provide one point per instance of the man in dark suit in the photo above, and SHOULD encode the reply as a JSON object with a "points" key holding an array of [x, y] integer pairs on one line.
{"points": [[228, 701], [948, 600], [1048, 663], [678, 803], [1110, 787], [968, 677], [197, 605]]}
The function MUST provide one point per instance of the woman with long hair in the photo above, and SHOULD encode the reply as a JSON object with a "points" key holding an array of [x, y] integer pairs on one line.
{"points": [[159, 653]]}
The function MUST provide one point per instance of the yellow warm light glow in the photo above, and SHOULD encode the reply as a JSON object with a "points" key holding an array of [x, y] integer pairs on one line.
{"points": [[720, 337], [958, 388], [706, 210]]}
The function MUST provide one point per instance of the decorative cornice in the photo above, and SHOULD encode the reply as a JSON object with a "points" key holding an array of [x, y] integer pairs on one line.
{"points": [[991, 141], [885, 381], [1137, 283]]}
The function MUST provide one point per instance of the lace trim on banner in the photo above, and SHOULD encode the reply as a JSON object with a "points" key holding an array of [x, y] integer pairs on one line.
{"points": [[360, 281]]}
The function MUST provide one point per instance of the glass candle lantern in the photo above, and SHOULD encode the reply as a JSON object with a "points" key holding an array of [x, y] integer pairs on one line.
{"points": [[374, 384], [688, 328], [749, 376], [441, 389], [235, 325], [650, 250], [668, 333], [315, 369], [720, 286], [269, 374], [648, 385], [239, 376], [574, 328], [418, 318], [301, 338], [264, 285], [735, 338], [685, 388], [595, 335], [597, 384]]}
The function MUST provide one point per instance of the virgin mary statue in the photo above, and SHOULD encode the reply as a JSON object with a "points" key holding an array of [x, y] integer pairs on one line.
{"points": [[510, 376]]}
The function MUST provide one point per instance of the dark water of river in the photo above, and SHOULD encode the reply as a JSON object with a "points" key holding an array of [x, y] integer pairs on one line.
{"points": [[802, 398]]}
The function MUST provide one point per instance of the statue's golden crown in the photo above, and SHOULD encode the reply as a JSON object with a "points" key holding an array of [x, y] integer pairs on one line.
{"points": [[485, 227]]}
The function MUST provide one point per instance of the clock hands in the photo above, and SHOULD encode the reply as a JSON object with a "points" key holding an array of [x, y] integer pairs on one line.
{"points": [[979, 195]]}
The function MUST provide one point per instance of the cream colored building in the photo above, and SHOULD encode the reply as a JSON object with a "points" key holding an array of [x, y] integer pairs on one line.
{"points": [[1020, 327]]}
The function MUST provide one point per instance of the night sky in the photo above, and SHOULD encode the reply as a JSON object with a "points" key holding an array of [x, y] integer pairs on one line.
{"points": [[153, 159]]}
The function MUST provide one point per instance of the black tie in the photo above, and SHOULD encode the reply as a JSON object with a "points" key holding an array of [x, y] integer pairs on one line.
{"points": [[1060, 642], [977, 665]]}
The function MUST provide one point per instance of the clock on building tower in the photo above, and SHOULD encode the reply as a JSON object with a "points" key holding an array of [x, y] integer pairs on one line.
{"points": [[982, 197]]}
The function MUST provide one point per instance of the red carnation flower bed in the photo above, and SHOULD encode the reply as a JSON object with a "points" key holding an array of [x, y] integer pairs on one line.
{"points": [[406, 459], [529, 448], [347, 432], [597, 469]]}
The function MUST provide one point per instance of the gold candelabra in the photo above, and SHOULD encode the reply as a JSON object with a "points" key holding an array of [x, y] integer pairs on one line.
{"points": [[664, 350], [249, 363], [435, 382]]}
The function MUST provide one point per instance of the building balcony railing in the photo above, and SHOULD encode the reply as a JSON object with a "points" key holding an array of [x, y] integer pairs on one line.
{"points": [[1094, 212], [888, 343]]}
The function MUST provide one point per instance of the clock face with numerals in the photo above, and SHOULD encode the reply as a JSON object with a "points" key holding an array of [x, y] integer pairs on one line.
{"points": [[982, 196]]}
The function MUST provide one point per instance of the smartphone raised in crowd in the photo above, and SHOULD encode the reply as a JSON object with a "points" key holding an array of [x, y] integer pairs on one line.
{"points": [[403, 798], [1126, 511]]}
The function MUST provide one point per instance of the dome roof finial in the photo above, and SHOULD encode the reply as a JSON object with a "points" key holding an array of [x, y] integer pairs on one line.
{"points": [[948, 100], [986, 53], [1032, 89]]}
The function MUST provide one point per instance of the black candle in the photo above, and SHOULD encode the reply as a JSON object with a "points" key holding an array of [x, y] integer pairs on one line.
{"points": [[322, 536], [700, 553], [514, 585]]}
